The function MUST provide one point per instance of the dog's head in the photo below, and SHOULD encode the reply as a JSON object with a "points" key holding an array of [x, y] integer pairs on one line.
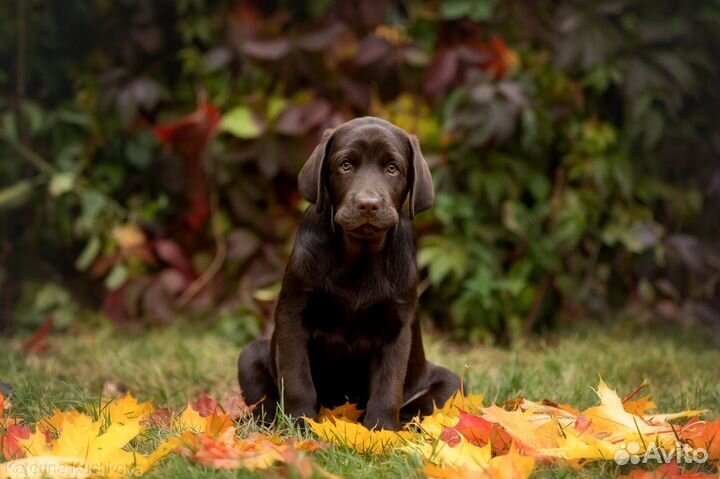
{"points": [[365, 170]]}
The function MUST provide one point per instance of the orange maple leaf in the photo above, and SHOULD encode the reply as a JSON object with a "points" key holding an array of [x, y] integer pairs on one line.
{"points": [[668, 471], [703, 434]]}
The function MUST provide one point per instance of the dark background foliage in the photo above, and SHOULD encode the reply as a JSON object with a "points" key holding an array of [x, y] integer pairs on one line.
{"points": [[149, 153]]}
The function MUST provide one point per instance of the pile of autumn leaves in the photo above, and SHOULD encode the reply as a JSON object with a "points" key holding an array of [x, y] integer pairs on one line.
{"points": [[464, 439]]}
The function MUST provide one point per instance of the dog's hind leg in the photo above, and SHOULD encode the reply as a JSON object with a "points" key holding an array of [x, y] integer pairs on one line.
{"points": [[256, 382], [435, 390]]}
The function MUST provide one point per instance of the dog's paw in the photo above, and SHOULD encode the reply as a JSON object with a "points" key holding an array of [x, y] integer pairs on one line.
{"points": [[381, 422]]}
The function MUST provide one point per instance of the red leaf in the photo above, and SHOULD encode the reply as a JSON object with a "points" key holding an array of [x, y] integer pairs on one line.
{"points": [[162, 417], [189, 138], [299, 119], [271, 49], [441, 72], [9, 445], [235, 406], [473, 428], [450, 436], [493, 56], [115, 306], [202, 122], [199, 212], [371, 50], [321, 38], [357, 94], [172, 254], [37, 344], [582, 423], [205, 405]]}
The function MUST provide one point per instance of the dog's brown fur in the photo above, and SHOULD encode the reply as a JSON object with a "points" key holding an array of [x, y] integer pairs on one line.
{"points": [[345, 325]]}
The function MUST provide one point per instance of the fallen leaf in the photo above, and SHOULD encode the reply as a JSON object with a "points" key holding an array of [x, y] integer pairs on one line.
{"points": [[358, 437], [11, 441], [235, 406], [42, 467], [205, 405], [704, 434], [512, 465], [37, 344], [437, 472], [127, 407], [473, 428], [611, 418], [191, 419], [347, 411], [528, 433], [101, 445], [668, 471]]}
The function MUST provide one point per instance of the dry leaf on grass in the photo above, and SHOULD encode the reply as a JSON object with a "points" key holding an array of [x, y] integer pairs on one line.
{"points": [[463, 439], [356, 436]]}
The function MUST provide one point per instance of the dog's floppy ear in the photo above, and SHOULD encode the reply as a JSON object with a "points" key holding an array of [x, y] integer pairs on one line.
{"points": [[310, 178], [422, 191]]}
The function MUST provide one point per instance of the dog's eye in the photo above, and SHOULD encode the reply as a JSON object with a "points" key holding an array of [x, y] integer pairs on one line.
{"points": [[392, 169], [345, 165]]}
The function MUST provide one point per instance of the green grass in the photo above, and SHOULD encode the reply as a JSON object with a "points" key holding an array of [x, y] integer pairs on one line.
{"points": [[170, 367]]}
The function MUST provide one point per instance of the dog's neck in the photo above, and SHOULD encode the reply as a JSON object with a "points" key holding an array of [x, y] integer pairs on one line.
{"points": [[358, 248]]}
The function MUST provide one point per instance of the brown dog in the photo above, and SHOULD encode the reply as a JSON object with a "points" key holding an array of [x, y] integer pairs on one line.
{"points": [[345, 325]]}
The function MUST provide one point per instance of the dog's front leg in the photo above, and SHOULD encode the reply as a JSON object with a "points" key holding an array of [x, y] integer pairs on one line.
{"points": [[291, 355], [387, 378]]}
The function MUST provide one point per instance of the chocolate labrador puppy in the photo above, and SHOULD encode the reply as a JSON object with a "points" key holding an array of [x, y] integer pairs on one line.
{"points": [[345, 325]]}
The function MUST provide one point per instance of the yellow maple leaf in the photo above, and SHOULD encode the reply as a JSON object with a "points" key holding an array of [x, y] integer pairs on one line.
{"points": [[42, 467], [358, 437], [120, 409], [434, 425], [472, 403], [639, 406], [437, 472], [192, 420], [525, 428], [466, 455], [347, 411], [577, 448], [97, 446], [55, 422], [512, 465], [36, 445]]}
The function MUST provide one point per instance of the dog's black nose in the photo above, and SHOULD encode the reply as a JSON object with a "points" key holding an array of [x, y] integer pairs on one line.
{"points": [[367, 204]]}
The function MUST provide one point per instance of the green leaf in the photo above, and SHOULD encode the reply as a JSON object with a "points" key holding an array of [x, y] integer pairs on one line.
{"points": [[89, 253], [61, 183], [240, 122], [477, 10], [117, 277], [8, 125], [15, 195], [93, 203], [276, 105]]}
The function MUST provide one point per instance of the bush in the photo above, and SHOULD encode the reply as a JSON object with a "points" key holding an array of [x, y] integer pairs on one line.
{"points": [[154, 145]]}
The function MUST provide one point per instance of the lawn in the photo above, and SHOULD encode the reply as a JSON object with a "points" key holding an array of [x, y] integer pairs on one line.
{"points": [[171, 367]]}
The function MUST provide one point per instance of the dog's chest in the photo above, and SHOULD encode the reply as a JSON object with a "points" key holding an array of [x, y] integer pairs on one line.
{"points": [[336, 326]]}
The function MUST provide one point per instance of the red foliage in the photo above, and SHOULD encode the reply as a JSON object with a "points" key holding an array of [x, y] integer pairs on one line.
{"points": [[473, 428], [189, 138], [9, 446]]}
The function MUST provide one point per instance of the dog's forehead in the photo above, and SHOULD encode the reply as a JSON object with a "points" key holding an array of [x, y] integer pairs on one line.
{"points": [[369, 136]]}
